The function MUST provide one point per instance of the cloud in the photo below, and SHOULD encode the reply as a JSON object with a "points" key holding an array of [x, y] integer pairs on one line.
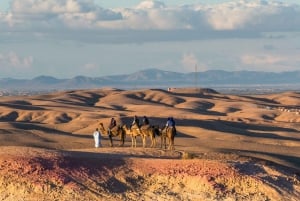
{"points": [[55, 14], [151, 5], [239, 14], [261, 59], [90, 66], [189, 61], [150, 20], [13, 60], [271, 62], [38, 6]]}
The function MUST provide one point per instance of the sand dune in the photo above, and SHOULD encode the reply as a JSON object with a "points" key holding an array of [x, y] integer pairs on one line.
{"points": [[287, 98], [241, 147]]}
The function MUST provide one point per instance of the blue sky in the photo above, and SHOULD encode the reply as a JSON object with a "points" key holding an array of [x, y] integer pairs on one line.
{"points": [[66, 38]]}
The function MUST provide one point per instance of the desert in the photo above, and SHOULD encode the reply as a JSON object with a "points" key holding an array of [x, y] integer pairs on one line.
{"points": [[227, 147]]}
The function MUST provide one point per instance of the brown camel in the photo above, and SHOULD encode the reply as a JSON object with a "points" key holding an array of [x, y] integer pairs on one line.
{"points": [[163, 138], [133, 132], [116, 131], [168, 133], [148, 131], [143, 131]]}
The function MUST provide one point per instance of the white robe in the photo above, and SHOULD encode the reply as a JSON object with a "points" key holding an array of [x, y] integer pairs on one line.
{"points": [[96, 135]]}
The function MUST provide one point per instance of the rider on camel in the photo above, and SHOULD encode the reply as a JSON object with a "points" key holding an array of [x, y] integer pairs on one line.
{"points": [[112, 125], [171, 123], [145, 123]]}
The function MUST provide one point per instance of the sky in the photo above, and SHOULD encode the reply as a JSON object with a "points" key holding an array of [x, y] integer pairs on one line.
{"points": [[67, 38]]}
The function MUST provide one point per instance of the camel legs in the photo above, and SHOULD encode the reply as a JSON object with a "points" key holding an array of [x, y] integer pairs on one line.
{"points": [[144, 141], [153, 142], [170, 134], [110, 140], [122, 140], [163, 141], [133, 141], [163, 138], [171, 143]]}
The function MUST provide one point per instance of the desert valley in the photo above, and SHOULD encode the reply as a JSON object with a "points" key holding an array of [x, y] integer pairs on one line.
{"points": [[227, 147]]}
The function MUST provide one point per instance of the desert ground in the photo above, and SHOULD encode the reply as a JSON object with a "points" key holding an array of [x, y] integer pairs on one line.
{"points": [[227, 147]]}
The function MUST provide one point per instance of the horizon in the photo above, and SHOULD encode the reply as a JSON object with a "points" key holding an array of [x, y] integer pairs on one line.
{"points": [[63, 38], [147, 69]]}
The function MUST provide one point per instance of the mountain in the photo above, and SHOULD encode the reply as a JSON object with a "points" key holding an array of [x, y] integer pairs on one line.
{"points": [[45, 80], [155, 78], [155, 75], [248, 77]]}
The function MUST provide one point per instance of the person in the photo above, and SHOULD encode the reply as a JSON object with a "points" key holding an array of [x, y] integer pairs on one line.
{"points": [[112, 124], [135, 121], [145, 123], [97, 138], [171, 123]]}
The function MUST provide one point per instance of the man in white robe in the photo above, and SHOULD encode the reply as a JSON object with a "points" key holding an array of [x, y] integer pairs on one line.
{"points": [[97, 138]]}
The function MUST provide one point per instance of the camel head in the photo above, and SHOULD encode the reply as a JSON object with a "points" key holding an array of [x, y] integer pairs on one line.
{"points": [[101, 126]]}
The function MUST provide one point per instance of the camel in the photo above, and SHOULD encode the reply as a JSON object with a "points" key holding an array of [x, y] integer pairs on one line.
{"points": [[117, 131], [143, 131], [168, 133], [163, 138], [133, 132], [148, 131]]}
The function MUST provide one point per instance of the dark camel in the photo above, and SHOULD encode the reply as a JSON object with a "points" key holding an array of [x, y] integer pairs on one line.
{"points": [[115, 132]]}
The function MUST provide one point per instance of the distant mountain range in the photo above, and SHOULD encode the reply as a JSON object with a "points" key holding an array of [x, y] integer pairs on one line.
{"points": [[155, 78]]}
